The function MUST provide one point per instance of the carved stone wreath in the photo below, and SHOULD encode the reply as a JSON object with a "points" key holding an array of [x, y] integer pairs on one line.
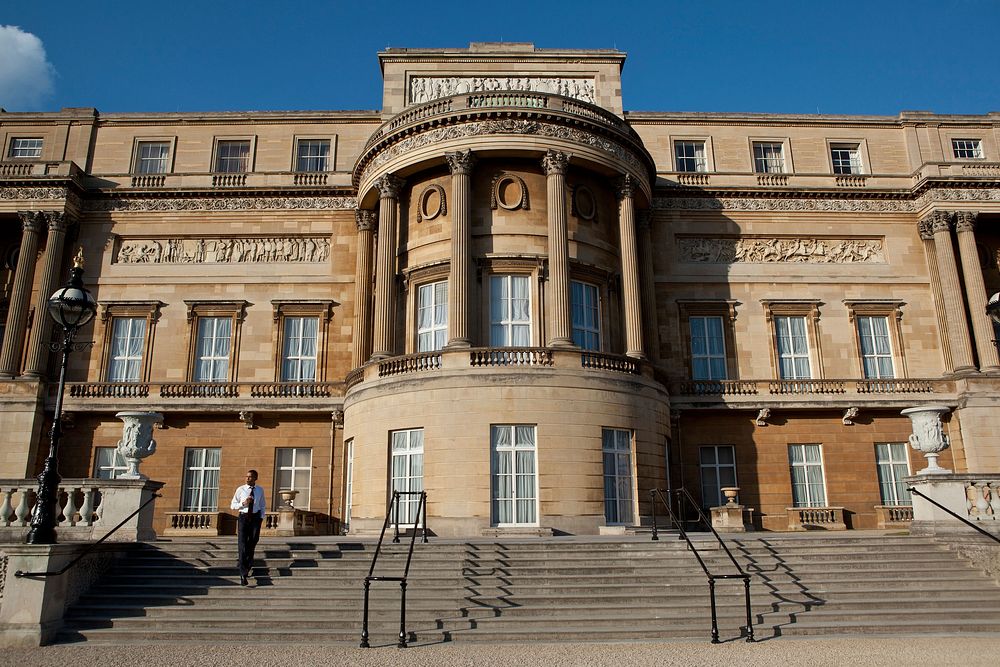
{"points": [[431, 203], [508, 192]]}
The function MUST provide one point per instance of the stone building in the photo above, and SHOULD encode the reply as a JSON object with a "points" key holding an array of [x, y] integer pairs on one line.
{"points": [[506, 290]]}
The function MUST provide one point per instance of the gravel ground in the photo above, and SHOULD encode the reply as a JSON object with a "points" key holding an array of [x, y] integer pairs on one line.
{"points": [[967, 651]]}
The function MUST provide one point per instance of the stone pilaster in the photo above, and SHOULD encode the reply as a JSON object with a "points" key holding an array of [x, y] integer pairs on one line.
{"points": [[389, 187], [460, 164], [363, 287], [557, 293], [951, 291], [17, 311], [648, 282], [631, 299], [975, 291], [41, 331]]}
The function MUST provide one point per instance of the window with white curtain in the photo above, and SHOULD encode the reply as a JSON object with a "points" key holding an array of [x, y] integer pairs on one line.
{"points": [[708, 348], [846, 158], [232, 157], [22, 147], [616, 447], [768, 157], [585, 308], [128, 339], [108, 463], [200, 492], [893, 466], [432, 316], [293, 470], [312, 154], [876, 348], [298, 353], [515, 482], [718, 470], [510, 311], [152, 157], [690, 156], [808, 486], [408, 472], [793, 347], [212, 349]]}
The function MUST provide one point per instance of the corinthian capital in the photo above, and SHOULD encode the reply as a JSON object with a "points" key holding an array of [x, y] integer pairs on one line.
{"points": [[626, 187], [365, 219], [58, 221], [924, 227], [32, 221], [389, 186], [940, 221], [461, 162], [555, 162], [965, 221]]}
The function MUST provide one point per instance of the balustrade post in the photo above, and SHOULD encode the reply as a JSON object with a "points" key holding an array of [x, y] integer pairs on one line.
{"points": [[6, 508], [23, 511], [69, 510]]}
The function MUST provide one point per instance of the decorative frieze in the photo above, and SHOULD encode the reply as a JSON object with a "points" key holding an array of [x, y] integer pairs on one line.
{"points": [[34, 193], [428, 88], [801, 250], [222, 204], [301, 250], [812, 202]]}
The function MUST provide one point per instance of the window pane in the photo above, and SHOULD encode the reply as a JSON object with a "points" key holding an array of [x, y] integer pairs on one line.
{"points": [[432, 316]]}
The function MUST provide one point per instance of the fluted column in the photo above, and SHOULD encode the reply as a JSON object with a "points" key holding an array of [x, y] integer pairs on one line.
{"points": [[460, 164], [41, 331], [363, 287], [17, 310], [975, 290], [630, 270], [648, 282], [958, 330], [389, 187], [557, 292]]}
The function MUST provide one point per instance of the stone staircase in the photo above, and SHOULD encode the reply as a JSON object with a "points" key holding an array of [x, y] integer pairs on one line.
{"points": [[556, 589]]}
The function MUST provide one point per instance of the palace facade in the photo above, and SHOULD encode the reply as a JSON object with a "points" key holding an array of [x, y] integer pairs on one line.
{"points": [[504, 289]]}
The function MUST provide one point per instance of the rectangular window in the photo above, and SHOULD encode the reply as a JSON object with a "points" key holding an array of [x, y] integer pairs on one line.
{"points": [[408, 472], [348, 483], [25, 148], [808, 487], [293, 470], [967, 149], [876, 350], [232, 157], [432, 316], [108, 463], [510, 311], [584, 305], [515, 487], [212, 351], [298, 353], [690, 156], [152, 157], [768, 158], [201, 480], [893, 466], [128, 339], [312, 154], [846, 158], [718, 470], [793, 348], [618, 495], [708, 348]]}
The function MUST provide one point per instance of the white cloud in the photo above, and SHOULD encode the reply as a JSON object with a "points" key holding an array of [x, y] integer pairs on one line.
{"points": [[25, 74]]}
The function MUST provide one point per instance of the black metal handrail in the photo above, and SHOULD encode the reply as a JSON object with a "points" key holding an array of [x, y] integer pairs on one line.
{"points": [[90, 548], [683, 496], [393, 512], [960, 518]]}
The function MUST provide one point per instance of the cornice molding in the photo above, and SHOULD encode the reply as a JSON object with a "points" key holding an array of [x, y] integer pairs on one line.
{"points": [[221, 203]]}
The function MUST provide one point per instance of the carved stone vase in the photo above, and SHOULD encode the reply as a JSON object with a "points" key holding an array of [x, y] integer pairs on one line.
{"points": [[928, 435], [137, 440], [287, 500], [730, 493]]}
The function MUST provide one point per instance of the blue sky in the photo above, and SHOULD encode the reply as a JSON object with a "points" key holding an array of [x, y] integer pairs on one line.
{"points": [[793, 57]]}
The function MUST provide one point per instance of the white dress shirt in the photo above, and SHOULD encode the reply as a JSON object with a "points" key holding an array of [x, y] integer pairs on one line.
{"points": [[259, 503]]}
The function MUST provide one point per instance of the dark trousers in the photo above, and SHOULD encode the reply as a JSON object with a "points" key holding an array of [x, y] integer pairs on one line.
{"points": [[247, 535]]}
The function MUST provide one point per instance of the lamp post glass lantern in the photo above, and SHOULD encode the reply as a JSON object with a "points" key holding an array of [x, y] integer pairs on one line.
{"points": [[71, 306]]}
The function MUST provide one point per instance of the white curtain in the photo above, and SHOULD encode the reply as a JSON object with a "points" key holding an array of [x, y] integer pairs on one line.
{"points": [[127, 338]]}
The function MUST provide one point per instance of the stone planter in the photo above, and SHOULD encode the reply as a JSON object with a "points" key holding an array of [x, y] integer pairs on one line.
{"points": [[928, 435], [287, 499], [730, 493], [137, 440]]}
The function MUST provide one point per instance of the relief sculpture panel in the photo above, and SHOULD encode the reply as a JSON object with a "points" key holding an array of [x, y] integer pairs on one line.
{"points": [[755, 250], [302, 250]]}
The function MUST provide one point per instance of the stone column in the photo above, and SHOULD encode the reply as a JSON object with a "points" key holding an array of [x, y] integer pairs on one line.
{"points": [[975, 291], [460, 164], [363, 287], [17, 312], [389, 187], [41, 331], [648, 282], [557, 293], [958, 330], [630, 270]]}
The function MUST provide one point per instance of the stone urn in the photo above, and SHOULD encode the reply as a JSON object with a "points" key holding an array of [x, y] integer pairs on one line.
{"points": [[730, 493], [287, 500], [137, 440], [928, 435]]}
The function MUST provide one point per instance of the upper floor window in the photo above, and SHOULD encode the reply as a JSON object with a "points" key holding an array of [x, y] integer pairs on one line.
{"points": [[967, 149], [432, 316], [215, 337], [768, 157], [152, 157], [128, 341], [690, 156], [298, 353], [793, 347], [232, 156], [312, 155], [584, 305], [708, 348], [510, 311], [25, 148], [846, 158], [876, 348]]}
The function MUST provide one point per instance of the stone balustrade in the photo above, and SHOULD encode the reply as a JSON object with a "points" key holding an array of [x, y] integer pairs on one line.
{"points": [[277, 396], [816, 518], [974, 497], [282, 523], [894, 516], [836, 393]]}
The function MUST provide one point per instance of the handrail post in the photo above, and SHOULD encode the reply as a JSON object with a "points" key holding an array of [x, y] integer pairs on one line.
{"points": [[364, 621], [715, 619], [746, 591], [394, 507], [402, 614], [652, 502], [423, 503]]}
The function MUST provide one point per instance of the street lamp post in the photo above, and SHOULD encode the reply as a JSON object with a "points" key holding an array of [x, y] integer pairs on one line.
{"points": [[71, 306], [993, 310]]}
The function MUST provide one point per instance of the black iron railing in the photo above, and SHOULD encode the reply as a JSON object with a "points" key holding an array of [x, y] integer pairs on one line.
{"points": [[393, 513], [684, 497], [960, 518]]}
